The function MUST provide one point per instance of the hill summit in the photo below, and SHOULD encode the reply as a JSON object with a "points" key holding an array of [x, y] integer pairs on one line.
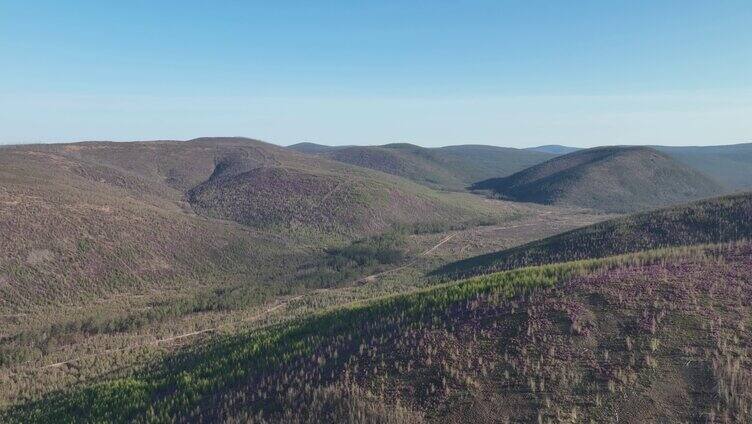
{"points": [[611, 179]]}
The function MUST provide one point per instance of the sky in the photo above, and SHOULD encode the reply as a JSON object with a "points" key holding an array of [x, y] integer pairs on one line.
{"points": [[508, 73]]}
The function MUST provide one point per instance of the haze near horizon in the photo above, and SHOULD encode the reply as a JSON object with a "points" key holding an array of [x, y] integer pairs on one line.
{"points": [[500, 73]]}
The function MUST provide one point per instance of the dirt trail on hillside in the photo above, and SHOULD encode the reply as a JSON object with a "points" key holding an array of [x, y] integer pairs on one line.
{"points": [[371, 277], [157, 342]]}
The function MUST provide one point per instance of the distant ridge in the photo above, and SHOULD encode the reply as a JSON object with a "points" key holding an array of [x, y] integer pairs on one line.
{"points": [[730, 165], [612, 179], [450, 168], [311, 148], [556, 149]]}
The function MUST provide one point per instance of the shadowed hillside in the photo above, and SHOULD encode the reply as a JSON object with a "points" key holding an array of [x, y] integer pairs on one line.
{"points": [[452, 167], [612, 179], [600, 341], [716, 220]]}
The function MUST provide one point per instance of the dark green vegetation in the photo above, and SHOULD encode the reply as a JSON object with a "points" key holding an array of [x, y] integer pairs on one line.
{"points": [[715, 220], [730, 165], [351, 262], [612, 179], [452, 167], [590, 340]]}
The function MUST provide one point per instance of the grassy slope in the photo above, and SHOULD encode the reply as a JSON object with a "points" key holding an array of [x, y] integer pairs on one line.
{"points": [[716, 220], [452, 167], [613, 179], [730, 165], [81, 220], [588, 340]]}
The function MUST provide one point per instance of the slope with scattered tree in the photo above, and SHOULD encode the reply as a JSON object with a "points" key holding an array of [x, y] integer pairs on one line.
{"points": [[81, 220], [715, 220], [584, 341]]}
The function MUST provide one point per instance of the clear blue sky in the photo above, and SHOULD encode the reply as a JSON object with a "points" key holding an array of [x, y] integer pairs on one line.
{"points": [[512, 73]]}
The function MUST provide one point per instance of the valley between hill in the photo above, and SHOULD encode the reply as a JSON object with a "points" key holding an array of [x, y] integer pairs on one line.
{"points": [[226, 279]]}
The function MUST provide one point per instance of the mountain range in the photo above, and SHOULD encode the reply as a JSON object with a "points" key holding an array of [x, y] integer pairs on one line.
{"points": [[227, 279]]}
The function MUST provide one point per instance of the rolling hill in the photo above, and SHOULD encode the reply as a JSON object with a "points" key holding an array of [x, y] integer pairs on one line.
{"points": [[556, 149], [73, 230], [717, 220], [657, 335], [730, 165], [600, 340], [452, 167], [80, 221], [611, 179]]}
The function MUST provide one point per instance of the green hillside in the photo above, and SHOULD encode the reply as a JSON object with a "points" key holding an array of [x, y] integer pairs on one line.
{"points": [[72, 230], [729, 165]]}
